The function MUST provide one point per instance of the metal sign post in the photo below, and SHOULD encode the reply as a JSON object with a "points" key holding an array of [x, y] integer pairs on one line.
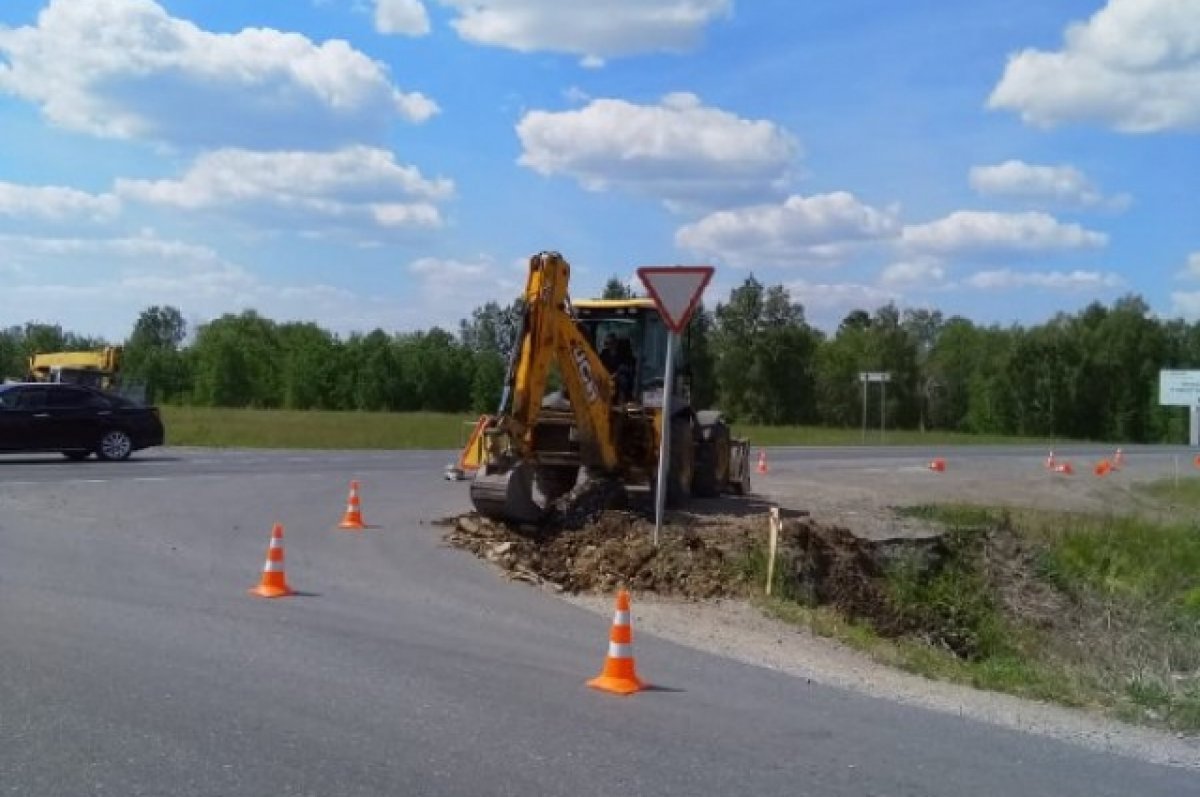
{"points": [[664, 445], [676, 291], [880, 378]]}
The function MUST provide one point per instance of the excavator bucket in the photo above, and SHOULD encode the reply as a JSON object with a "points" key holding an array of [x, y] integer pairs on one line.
{"points": [[506, 495]]}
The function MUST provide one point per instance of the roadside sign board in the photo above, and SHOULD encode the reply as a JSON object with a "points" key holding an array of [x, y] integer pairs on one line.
{"points": [[676, 290], [1179, 388], [874, 376]]}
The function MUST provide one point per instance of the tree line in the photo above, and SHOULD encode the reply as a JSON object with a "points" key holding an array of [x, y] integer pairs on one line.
{"points": [[1088, 375]]}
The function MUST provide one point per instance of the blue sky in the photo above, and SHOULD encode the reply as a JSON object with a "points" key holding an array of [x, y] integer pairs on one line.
{"points": [[393, 163]]}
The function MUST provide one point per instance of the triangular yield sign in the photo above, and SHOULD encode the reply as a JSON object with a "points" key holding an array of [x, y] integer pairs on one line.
{"points": [[676, 290]]}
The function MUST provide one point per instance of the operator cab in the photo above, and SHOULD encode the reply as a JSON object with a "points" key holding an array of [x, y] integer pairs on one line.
{"points": [[638, 322]]}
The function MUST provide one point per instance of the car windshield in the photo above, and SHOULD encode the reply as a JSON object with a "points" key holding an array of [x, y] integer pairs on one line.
{"points": [[8, 398]]}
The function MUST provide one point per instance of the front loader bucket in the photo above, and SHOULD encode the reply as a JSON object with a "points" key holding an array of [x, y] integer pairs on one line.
{"points": [[506, 495]]}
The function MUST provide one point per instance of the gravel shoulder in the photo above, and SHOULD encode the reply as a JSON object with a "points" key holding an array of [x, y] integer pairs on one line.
{"points": [[861, 499]]}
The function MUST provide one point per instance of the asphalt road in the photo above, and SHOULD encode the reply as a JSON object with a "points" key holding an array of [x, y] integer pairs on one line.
{"points": [[133, 662]]}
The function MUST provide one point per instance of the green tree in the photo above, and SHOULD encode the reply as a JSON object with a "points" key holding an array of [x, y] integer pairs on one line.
{"points": [[616, 288]]}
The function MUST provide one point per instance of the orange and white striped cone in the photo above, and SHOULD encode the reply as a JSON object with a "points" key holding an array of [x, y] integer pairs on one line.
{"points": [[1051, 462], [619, 675], [1065, 468], [937, 465], [1103, 468], [274, 580], [353, 519], [762, 462]]}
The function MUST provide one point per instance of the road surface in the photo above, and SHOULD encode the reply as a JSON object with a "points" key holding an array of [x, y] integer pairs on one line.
{"points": [[133, 662]]}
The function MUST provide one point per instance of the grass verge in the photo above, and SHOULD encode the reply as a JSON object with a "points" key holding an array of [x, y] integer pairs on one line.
{"points": [[204, 426], [1080, 610], [208, 426]]}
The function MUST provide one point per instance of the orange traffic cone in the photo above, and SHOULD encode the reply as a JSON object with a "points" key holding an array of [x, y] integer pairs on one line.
{"points": [[1064, 468], [618, 675], [274, 580], [938, 465], [1051, 462], [353, 519], [762, 461], [1103, 468], [1196, 461]]}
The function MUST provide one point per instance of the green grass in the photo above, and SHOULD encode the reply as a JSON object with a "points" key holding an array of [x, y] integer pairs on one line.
{"points": [[1082, 610], [1184, 494], [203, 426]]}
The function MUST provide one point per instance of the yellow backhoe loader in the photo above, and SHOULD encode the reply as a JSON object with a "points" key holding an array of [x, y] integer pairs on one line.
{"points": [[606, 418]]}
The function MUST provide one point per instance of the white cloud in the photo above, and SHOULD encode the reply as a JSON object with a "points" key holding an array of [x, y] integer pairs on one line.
{"points": [[450, 288], [1134, 66], [125, 275], [921, 273], [586, 28], [1008, 279], [1062, 184], [679, 150], [1192, 269], [352, 186], [980, 233], [1186, 304], [55, 203], [818, 297], [127, 69], [406, 17], [820, 229]]}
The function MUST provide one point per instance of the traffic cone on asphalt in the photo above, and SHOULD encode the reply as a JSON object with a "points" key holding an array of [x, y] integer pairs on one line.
{"points": [[1103, 468], [762, 461], [1196, 462], [618, 675], [353, 519], [938, 465], [1051, 461], [274, 580], [1118, 460], [1065, 468]]}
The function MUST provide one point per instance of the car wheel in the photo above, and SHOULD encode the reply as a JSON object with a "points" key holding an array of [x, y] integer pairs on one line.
{"points": [[114, 445], [77, 456]]}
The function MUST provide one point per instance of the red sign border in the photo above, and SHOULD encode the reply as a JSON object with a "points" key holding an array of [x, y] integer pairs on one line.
{"points": [[676, 326]]}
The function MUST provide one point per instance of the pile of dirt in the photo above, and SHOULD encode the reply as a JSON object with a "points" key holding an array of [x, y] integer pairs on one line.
{"points": [[699, 557]]}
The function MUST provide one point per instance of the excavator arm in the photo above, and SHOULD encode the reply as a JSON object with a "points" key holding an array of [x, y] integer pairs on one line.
{"points": [[503, 486]]}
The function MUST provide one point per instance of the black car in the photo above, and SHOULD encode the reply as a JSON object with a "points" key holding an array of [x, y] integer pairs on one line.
{"points": [[75, 420]]}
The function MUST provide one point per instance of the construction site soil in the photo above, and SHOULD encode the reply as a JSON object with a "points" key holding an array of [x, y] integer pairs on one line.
{"points": [[698, 557]]}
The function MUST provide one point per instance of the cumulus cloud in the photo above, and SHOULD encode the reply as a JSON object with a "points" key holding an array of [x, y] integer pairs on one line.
{"points": [[127, 69], [55, 203], [586, 28], [448, 286], [1192, 269], [1186, 304], [1008, 279], [819, 297], [1134, 66], [126, 274], [981, 233], [1063, 184], [922, 273], [821, 229], [679, 150], [405, 17], [352, 186]]}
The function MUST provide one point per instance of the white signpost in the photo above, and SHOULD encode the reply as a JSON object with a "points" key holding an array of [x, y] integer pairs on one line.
{"points": [[869, 378], [1182, 389], [676, 291]]}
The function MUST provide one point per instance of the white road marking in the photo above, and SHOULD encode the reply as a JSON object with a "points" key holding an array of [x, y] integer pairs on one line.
{"points": [[151, 479]]}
